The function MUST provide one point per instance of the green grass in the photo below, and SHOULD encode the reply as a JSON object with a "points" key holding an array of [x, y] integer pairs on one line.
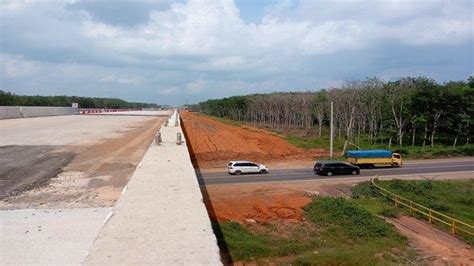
{"points": [[226, 121], [245, 245], [454, 198], [337, 231]]}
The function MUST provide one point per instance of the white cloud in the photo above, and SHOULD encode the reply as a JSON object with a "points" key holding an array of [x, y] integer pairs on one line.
{"points": [[17, 66], [168, 91], [123, 79], [173, 47], [214, 28], [196, 86]]}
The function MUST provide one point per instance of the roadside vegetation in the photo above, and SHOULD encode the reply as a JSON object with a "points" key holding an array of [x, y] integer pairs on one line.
{"points": [[411, 152], [335, 231], [416, 116], [454, 198], [11, 99]]}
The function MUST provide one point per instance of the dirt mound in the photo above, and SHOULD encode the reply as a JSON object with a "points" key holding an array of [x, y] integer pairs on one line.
{"points": [[260, 208], [214, 143], [265, 202]]}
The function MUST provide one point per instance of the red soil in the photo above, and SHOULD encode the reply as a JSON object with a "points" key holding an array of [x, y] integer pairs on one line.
{"points": [[214, 143], [262, 208], [266, 202]]}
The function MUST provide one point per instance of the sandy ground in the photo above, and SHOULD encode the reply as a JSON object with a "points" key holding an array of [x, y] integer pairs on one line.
{"points": [[85, 161], [282, 203], [65, 130], [48, 236], [213, 144]]}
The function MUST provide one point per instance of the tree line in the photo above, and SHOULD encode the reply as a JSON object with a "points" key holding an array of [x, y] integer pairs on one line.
{"points": [[10, 99], [406, 111]]}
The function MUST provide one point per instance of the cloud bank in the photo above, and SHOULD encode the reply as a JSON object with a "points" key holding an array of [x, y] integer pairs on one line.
{"points": [[163, 51]]}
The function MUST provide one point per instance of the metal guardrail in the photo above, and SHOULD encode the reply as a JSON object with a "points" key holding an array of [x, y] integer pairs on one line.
{"points": [[432, 215]]}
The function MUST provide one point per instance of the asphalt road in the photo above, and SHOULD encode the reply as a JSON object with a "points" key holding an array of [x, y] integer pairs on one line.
{"points": [[306, 174]]}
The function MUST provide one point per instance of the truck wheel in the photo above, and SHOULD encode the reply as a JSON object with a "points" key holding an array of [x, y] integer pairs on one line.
{"points": [[263, 171], [354, 172], [329, 173], [237, 172]]}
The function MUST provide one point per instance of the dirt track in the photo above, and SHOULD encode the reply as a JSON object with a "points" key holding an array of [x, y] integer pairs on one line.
{"points": [[91, 175], [214, 143]]}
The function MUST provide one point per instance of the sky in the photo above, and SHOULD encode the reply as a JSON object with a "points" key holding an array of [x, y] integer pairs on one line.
{"points": [[173, 52]]}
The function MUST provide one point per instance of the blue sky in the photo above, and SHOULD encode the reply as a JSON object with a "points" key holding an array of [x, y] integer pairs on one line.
{"points": [[169, 51]]}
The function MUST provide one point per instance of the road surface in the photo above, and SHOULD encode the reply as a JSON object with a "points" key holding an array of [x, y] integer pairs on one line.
{"points": [[306, 174]]}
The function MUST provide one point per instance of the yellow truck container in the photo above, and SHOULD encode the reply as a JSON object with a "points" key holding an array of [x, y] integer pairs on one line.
{"points": [[374, 158]]}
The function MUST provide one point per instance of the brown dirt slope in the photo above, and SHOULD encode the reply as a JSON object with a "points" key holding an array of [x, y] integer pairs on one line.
{"points": [[213, 143], [266, 202]]}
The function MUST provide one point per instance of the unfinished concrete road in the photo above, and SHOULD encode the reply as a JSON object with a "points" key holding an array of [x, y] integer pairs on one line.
{"points": [[70, 161], [48, 236]]}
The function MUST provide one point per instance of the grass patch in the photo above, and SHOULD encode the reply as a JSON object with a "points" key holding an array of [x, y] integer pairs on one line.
{"points": [[244, 245], [337, 231], [224, 120], [454, 198], [314, 142]]}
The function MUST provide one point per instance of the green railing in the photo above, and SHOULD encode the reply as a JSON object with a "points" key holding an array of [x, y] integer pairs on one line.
{"points": [[432, 215]]}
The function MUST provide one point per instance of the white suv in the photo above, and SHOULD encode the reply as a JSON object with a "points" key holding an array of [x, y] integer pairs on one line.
{"points": [[245, 167]]}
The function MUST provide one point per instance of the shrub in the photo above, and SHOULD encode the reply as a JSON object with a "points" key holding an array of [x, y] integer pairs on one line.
{"points": [[389, 212], [353, 219], [364, 189]]}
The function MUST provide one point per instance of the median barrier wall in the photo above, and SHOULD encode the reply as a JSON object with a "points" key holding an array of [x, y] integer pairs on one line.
{"points": [[7, 112], [161, 218]]}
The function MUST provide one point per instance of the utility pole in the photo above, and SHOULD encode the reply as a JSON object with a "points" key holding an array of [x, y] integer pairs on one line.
{"points": [[332, 131]]}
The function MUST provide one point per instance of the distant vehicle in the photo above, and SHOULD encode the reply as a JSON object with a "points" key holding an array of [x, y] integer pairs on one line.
{"points": [[330, 168], [246, 167], [374, 158]]}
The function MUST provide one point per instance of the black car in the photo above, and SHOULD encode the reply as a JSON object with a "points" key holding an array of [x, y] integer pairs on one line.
{"points": [[330, 168]]}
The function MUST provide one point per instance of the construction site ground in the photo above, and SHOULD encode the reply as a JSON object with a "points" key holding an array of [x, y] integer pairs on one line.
{"points": [[213, 143], [70, 161]]}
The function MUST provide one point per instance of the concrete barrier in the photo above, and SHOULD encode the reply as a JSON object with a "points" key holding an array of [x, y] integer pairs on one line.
{"points": [[7, 112]]}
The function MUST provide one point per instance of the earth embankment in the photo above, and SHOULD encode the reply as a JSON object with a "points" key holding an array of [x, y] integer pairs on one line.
{"points": [[214, 143]]}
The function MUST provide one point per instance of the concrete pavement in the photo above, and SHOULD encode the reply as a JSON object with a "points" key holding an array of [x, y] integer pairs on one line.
{"points": [[48, 236]]}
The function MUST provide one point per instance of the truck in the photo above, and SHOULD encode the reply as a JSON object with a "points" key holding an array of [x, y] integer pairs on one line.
{"points": [[374, 158]]}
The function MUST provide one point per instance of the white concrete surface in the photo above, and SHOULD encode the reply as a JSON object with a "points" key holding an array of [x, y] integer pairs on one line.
{"points": [[7, 112], [135, 113], [48, 236], [65, 130], [161, 217]]}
